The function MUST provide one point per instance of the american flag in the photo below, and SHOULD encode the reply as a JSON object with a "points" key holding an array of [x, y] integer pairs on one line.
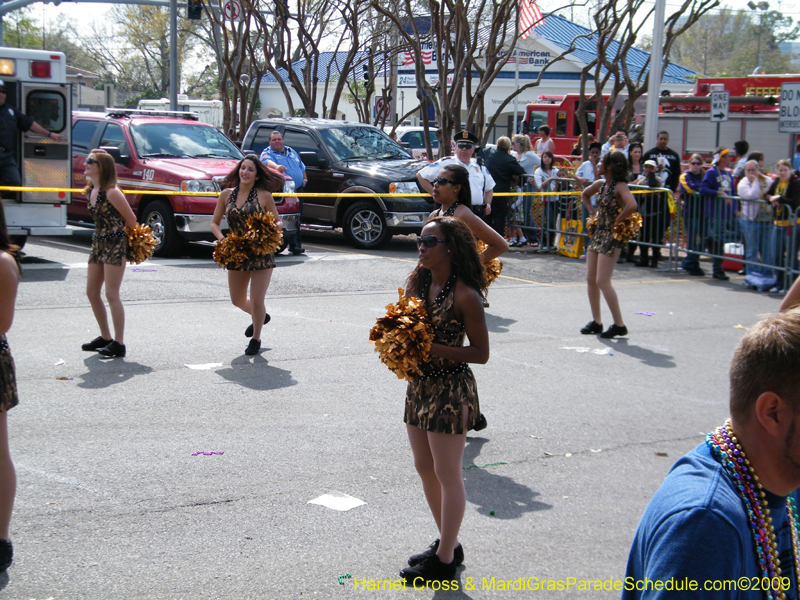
{"points": [[529, 16], [427, 57]]}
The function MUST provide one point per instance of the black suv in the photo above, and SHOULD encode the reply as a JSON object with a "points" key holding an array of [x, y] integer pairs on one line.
{"points": [[350, 158]]}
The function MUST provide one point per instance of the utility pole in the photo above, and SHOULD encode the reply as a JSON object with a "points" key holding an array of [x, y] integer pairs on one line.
{"points": [[654, 77]]}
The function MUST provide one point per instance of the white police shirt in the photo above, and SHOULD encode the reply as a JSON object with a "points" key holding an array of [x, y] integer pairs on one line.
{"points": [[479, 179]]}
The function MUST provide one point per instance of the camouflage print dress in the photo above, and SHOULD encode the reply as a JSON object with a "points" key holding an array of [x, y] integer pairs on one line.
{"points": [[608, 207], [236, 221], [8, 382], [434, 402], [109, 243]]}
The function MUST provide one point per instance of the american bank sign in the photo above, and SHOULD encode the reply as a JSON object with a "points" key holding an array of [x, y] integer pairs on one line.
{"points": [[521, 59]]}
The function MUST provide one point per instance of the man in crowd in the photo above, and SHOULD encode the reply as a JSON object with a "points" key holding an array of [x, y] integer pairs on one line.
{"points": [[725, 514], [11, 121], [619, 141], [288, 162], [481, 183], [506, 172], [741, 148], [668, 161]]}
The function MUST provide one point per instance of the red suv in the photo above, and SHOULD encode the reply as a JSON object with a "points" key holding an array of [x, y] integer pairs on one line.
{"points": [[170, 153]]}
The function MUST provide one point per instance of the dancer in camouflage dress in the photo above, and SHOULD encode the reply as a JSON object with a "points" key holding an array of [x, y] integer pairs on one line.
{"points": [[614, 204], [112, 214], [443, 404], [9, 280], [247, 191]]}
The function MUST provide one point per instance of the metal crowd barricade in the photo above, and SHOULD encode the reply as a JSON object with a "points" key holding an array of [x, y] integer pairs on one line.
{"points": [[766, 237], [545, 210], [660, 231]]}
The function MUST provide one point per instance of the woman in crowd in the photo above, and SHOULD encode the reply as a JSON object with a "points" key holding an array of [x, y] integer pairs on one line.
{"points": [[545, 142], [756, 218], [9, 280], [506, 172], [112, 214], [528, 160], [442, 405], [614, 204], [545, 177], [784, 194], [636, 177], [654, 208], [247, 191], [693, 214]]}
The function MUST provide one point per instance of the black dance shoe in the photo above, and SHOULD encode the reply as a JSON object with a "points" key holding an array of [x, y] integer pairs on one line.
{"points": [[95, 344], [113, 350], [458, 554], [249, 331], [614, 331], [430, 569], [7, 554], [253, 347], [592, 328], [480, 423]]}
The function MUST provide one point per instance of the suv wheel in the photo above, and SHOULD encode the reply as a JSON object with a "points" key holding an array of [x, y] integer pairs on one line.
{"points": [[158, 215], [364, 226]]}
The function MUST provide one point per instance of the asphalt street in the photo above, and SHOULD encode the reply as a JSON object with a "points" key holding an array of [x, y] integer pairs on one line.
{"points": [[113, 500]]}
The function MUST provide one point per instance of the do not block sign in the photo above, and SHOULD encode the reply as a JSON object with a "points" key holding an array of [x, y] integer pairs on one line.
{"points": [[789, 119], [719, 106]]}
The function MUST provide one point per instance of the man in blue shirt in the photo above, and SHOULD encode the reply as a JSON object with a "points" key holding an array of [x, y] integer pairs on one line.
{"points": [[292, 165], [721, 525]]}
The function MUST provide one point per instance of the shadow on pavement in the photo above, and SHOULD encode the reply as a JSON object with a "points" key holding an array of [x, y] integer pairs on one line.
{"points": [[492, 492], [256, 374], [648, 357], [497, 324], [105, 372]]}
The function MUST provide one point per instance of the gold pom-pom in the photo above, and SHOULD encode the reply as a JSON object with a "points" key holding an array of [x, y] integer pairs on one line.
{"points": [[231, 251], [627, 229], [403, 337], [140, 243], [491, 269], [591, 225], [262, 233]]}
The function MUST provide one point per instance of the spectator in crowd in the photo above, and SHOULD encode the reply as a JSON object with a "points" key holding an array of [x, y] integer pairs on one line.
{"points": [[529, 161], [668, 161], [653, 208], [545, 178], [288, 161], [693, 214], [480, 181], [756, 218], [586, 174], [577, 148], [741, 148], [619, 141], [784, 194], [635, 161], [726, 510], [759, 158], [545, 142], [716, 191], [506, 172], [796, 160]]}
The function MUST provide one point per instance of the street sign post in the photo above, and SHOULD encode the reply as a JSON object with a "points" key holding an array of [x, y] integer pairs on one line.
{"points": [[719, 108]]}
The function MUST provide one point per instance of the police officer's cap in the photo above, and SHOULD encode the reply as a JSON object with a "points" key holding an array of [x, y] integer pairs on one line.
{"points": [[467, 136]]}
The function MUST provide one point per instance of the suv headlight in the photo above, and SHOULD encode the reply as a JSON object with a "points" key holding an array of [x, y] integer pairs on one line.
{"points": [[198, 185], [404, 187], [289, 187]]}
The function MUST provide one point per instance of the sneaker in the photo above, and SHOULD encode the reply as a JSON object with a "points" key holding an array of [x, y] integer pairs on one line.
{"points": [[513, 243], [592, 328], [721, 275], [614, 331], [95, 344], [7, 554], [249, 331], [522, 242], [582, 256], [253, 347], [694, 271], [429, 569], [480, 425], [458, 554], [113, 350]]}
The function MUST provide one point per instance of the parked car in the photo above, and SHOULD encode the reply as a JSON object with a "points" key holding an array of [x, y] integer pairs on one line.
{"points": [[350, 158], [413, 138], [168, 152]]}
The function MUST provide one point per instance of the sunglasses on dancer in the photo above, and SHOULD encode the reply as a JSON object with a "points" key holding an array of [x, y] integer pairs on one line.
{"points": [[465, 145], [91, 161], [429, 241], [443, 181]]}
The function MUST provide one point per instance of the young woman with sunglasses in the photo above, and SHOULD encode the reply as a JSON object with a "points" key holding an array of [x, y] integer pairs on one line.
{"points": [[9, 280], [247, 190], [614, 204], [112, 214], [693, 217], [451, 191], [442, 405]]}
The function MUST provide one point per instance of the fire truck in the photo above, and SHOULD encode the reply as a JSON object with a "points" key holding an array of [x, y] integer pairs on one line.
{"points": [[753, 116], [36, 84]]}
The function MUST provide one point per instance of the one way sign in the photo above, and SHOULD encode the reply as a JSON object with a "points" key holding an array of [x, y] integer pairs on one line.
{"points": [[719, 106]]}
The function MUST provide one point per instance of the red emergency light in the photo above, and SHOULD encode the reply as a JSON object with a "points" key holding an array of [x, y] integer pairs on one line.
{"points": [[40, 69]]}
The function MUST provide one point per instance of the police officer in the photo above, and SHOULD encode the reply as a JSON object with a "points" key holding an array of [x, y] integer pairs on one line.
{"points": [[10, 121], [481, 183]]}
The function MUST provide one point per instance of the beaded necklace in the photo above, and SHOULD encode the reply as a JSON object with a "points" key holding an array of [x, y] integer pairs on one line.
{"points": [[728, 452], [449, 212]]}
